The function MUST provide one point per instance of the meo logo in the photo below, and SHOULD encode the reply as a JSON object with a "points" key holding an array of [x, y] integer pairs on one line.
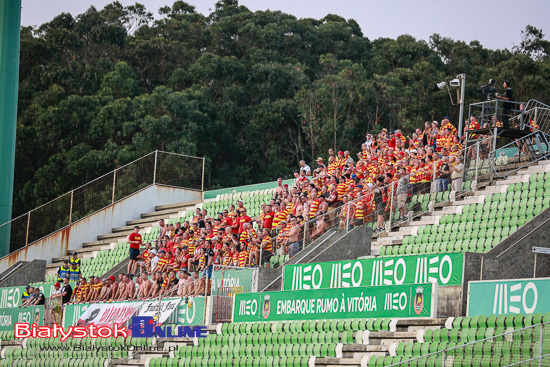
{"points": [[146, 327]]}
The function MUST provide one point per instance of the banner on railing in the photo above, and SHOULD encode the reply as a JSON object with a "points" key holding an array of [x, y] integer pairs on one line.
{"points": [[402, 301], [232, 278], [515, 296], [172, 311], [28, 315], [441, 269], [11, 296], [160, 311], [108, 314]]}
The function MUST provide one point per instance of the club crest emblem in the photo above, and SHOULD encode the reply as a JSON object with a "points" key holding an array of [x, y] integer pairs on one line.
{"points": [[419, 300], [266, 308]]}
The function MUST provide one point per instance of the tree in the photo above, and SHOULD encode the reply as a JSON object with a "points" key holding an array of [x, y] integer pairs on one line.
{"points": [[252, 92]]}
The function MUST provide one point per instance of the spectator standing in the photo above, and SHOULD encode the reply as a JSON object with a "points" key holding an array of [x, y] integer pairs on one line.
{"points": [[320, 226], [57, 289], [402, 193], [209, 258], [63, 270], [506, 106], [279, 189], [456, 176], [74, 260], [163, 230], [293, 238], [66, 291], [269, 215], [444, 175], [348, 159], [243, 218], [74, 273], [379, 203], [134, 239]]}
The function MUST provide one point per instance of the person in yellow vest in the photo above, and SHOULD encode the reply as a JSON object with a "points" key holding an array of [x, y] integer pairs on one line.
{"points": [[74, 260], [74, 273], [63, 270], [26, 295]]}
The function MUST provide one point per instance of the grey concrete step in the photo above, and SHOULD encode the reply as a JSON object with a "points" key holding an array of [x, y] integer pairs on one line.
{"points": [[179, 206], [125, 229], [146, 222], [513, 180], [95, 243], [114, 237], [165, 213]]}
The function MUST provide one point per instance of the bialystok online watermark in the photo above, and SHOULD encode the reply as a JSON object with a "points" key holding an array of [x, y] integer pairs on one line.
{"points": [[33, 331], [141, 327]]}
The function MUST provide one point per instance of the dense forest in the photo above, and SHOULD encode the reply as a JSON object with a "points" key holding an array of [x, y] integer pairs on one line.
{"points": [[253, 92]]}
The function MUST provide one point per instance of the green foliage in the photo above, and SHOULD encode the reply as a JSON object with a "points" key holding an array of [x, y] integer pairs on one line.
{"points": [[253, 92]]}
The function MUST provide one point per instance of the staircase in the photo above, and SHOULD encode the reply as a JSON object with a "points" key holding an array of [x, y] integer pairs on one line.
{"points": [[108, 241]]}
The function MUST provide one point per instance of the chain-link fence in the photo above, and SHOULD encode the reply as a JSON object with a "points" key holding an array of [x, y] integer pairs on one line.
{"points": [[160, 168], [527, 346]]}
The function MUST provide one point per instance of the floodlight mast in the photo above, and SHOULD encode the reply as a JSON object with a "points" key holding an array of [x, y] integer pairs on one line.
{"points": [[462, 78]]}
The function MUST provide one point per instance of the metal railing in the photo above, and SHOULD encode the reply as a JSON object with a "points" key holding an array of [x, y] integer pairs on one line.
{"points": [[529, 346], [223, 309], [156, 168], [528, 150], [478, 160], [540, 113], [495, 112]]}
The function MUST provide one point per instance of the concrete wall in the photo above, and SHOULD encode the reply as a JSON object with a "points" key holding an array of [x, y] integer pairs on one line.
{"points": [[266, 276], [352, 245], [449, 301], [31, 272], [101, 222]]}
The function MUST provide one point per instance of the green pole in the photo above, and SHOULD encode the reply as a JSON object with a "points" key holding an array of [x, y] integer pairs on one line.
{"points": [[10, 24]]}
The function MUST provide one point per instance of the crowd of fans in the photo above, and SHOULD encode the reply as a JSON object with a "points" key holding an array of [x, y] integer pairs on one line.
{"points": [[390, 167], [160, 284]]}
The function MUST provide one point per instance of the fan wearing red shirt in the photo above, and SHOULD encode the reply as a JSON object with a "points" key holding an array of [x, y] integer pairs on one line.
{"points": [[243, 219], [268, 217], [314, 205], [134, 239], [185, 256]]}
